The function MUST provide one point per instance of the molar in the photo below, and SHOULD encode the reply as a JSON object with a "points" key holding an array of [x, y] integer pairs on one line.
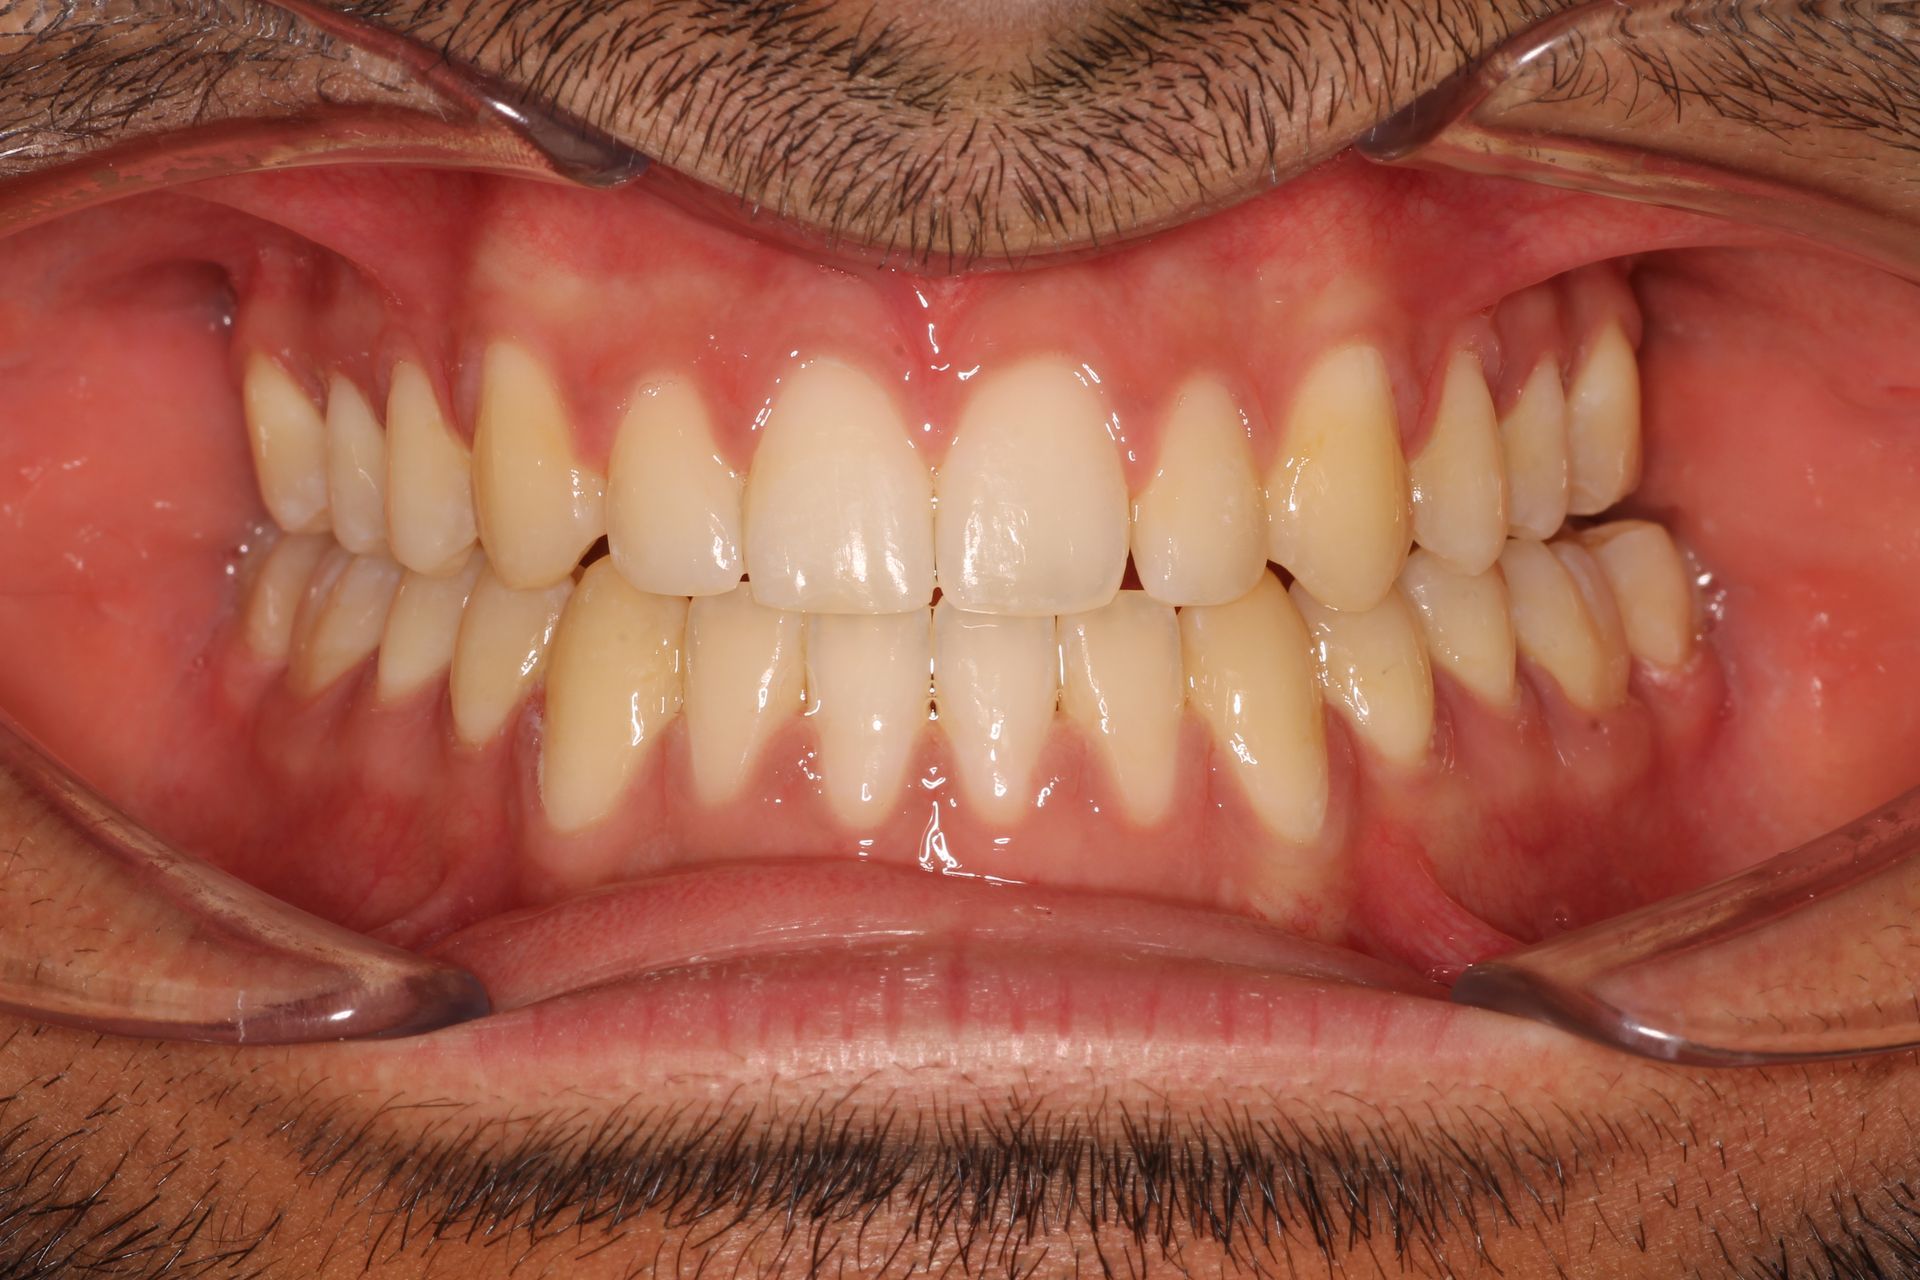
{"points": [[996, 682], [356, 469], [1603, 424], [869, 695], [539, 506], [422, 626], [1032, 512], [1652, 586], [1459, 478], [500, 652], [346, 625], [278, 589], [289, 441], [673, 503], [1534, 439], [1123, 685], [1468, 625], [746, 674], [430, 521], [1374, 670], [1199, 533], [1555, 628]]}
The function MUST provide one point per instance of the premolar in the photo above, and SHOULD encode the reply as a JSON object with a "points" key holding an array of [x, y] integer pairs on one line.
{"points": [[347, 624], [279, 587], [1653, 586], [673, 503], [289, 441], [539, 506], [1374, 670], [419, 640], [430, 521], [1459, 478], [1533, 436], [356, 469], [1603, 424], [1555, 628], [1199, 533], [1467, 622], [500, 653]]}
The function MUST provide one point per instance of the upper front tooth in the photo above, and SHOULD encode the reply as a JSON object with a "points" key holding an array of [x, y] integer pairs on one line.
{"points": [[1199, 533], [673, 503], [500, 652], [1650, 581], [746, 676], [1374, 669], [869, 689], [996, 681], [1459, 482], [1123, 685], [430, 522], [356, 469], [1337, 495], [540, 507], [839, 505], [279, 586], [1557, 630], [289, 440], [613, 683], [1603, 424], [346, 625], [1468, 625], [417, 645], [1032, 517], [1534, 436]]}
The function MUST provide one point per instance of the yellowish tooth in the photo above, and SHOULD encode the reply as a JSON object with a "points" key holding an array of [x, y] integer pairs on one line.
{"points": [[746, 676], [1032, 516], [613, 684], [1459, 480], [1555, 629], [275, 594], [1337, 495], [996, 682], [347, 627], [1603, 425], [500, 653], [1199, 527], [539, 506], [430, 523], [417, 647], [839, 505], [356, 469], [1468, 625], [673, 503], [1597, 594], [1122, 684], [1374, 670], [1652, 585], [869, 690], [313, 600], [1250, 676], [289, 440], [1534, 440]]}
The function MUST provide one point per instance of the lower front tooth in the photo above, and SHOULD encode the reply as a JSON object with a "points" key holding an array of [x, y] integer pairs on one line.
{"points": [[996, 682], [356, 469], [499, 653], [1122, 684], [278, 588], [346, 628], [421, 628], [1375, 672], [289, 440], [1468, 625], [1555, 628], [868, 685], [1650, 581], [613, 683], [1250, 676], [1459, 478], [746, 676]]}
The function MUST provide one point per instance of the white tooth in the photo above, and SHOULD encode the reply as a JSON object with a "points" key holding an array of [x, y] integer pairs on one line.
{"points": [[1597, 594], [868, 683], [1032, 516], [613, 683], [1199, 527], [746, 677], [996, 681], [1337, 495], [274, 597], [1554, 628], [1468, 625], [839, 505], [1374, 669], [1603, 425], [417, 646], [1460, 480], [1124, 687], [1250, 677], [500, 653], [1534, 437], [347, 626], [356, 469], [430, 523], [289, 440], [1652, 585], [673, 503], [539, 506]]}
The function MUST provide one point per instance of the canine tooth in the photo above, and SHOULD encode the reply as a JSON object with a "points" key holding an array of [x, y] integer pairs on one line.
{"points": [[1468, 625], [1651, 583], [1250, 676], [996, 681], [356, 469], [499, 652], [275, 595], [1337, 495], [1459, 482], [430, 522], [1032, 511], [539, 506], [417, 646], [869, 694], [347, 624], [1199, 533], [1554, 627], [1374, 670], [1603, 425], [289, 440], [746, 675], [839, 505], [1597, 594], [673, 503], [1534, 439], [613, 683], [1123, 685]]}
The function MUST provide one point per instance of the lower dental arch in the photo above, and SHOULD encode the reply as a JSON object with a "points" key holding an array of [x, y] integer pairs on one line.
{"points": [[840, 570]]}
